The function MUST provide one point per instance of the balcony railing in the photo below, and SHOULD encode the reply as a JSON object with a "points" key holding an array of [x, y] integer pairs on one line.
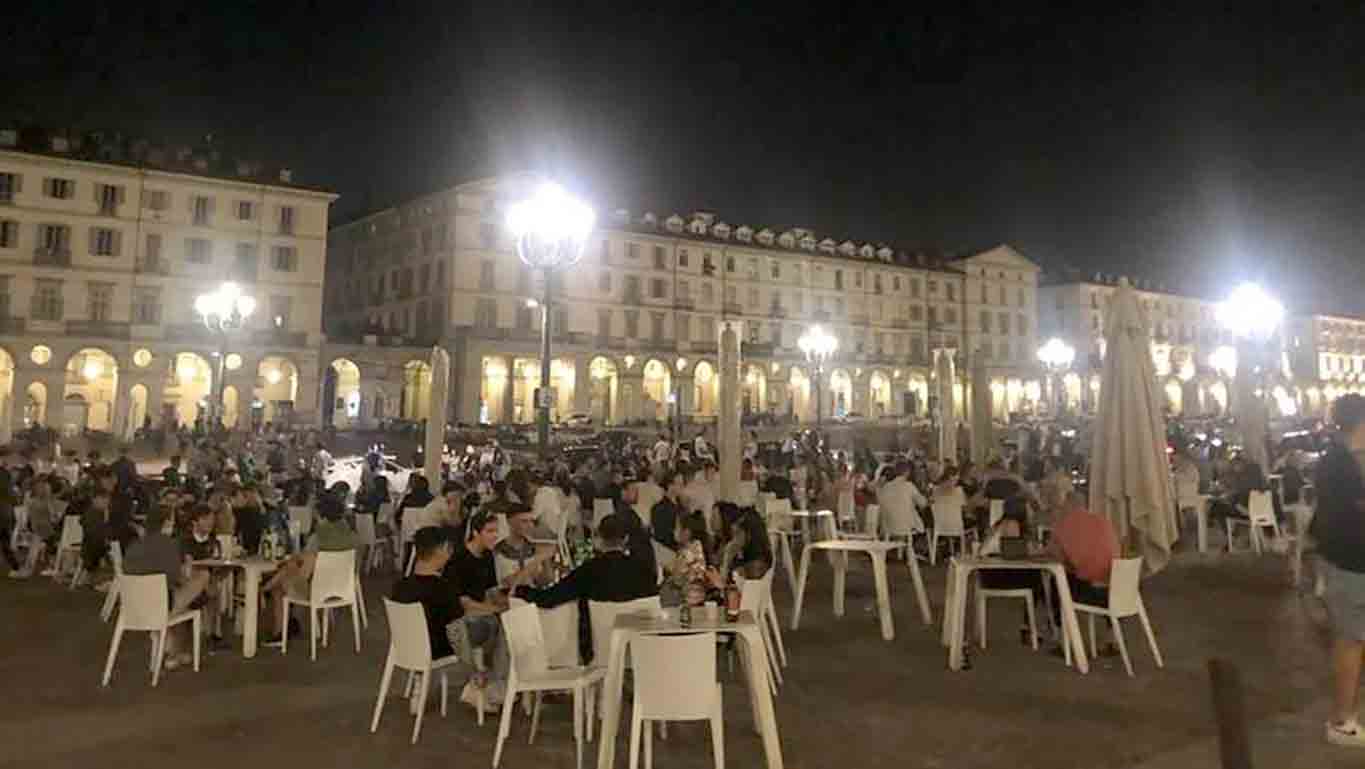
{"points": [[733, 308], [900, 323], [101, 329], [684, 304], [631, 298], [52, 257]]}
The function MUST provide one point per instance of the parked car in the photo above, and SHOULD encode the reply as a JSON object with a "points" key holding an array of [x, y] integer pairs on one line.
{"points": [[577, 419], [348, 469]]}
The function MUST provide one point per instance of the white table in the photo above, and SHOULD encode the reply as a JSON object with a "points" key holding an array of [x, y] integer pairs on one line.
{"points": [[754, 658], [955, 604], [876, 550], [253, 569]]}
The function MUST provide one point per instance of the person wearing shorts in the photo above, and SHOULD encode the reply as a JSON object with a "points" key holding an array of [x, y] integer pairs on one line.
{"points": [[1339, 529]]}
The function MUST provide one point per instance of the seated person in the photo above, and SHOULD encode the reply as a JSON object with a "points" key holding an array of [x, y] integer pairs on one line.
{"points": [[473, 576], [687, 574], [428, 586], [745, 547], [612, 574], [667, 511], [779, 484], [1087, 545], [330, 534], [96, 532], [159, 553], [518, 548]]}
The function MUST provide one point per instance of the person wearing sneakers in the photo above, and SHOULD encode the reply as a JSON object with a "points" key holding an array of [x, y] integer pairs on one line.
{"points": [[1339, 528]]}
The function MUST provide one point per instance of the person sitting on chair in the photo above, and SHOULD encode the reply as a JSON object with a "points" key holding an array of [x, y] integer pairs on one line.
{"points": [[611, 575], [331, 534], [428, 586], [158, 553], [1087, 545]]}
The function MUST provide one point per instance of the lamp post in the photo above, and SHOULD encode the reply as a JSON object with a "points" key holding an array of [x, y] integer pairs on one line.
{"points": [[551, 229], [1056, 356], [1254, 317], [223, 311], [818, 345]]}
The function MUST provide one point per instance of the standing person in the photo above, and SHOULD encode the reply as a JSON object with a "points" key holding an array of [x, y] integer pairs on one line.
{"points": [[1339, 528], [663, 450]]}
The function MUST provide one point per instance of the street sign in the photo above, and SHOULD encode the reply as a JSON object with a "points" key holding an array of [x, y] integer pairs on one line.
{"points": [[545, 397]]}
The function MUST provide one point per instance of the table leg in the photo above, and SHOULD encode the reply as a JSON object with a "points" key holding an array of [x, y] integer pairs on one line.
{"points": [[920, 595], [949, 597], [610, 702], [883, 595], [840, 563], [1201, 510], [1073, 626], [801, 586], [791, 562], [252, 601], [764, 719], [959, 617]]}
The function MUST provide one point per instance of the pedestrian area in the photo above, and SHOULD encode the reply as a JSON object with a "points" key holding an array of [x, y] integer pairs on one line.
{"points": [[850, 698]]}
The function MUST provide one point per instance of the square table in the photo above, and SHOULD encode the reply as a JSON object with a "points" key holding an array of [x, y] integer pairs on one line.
{"points": [[755, 660], [876, 550], [253, 568], [955, 603]]}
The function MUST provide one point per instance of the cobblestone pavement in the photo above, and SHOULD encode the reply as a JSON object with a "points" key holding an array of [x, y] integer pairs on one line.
{"points": [[850, 699]]}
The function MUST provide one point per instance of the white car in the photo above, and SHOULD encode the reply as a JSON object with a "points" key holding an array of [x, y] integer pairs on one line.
{"points": [[347, 470], [577, 419]]}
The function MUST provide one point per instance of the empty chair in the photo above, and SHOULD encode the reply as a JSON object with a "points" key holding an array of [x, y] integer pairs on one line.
{"points": [[1260, 516], [332, 587], [675, 680], [410, 649], [1125, 600], [111, 597], [983, 593], [146, 607], [530, 671], [948, 524]]}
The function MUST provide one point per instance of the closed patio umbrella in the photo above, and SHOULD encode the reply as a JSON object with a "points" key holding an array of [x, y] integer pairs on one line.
{"points": [[1129, 475], [983, 429], [434, 447], [947, 421]]}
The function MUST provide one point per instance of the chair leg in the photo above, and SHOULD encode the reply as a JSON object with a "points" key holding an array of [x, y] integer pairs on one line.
{"points": [[1123, 647], [776, 627], [649, 744], [113, 654], [356, 619], [407, 687], [980, 617], [284, 631], [933, 550], [313, 618], [160, 656], [445, 692], [1094, 647], [384, 681], [578, 726], [535, 718], [635, 726], [421, 707], [504, 723], [197, 628], [1032, 622], [718, 732], [1228, 522], [1151, 636], [589, 710]]}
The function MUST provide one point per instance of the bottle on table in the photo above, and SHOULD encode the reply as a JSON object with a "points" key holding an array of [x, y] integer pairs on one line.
{"points": [[731, 598]]}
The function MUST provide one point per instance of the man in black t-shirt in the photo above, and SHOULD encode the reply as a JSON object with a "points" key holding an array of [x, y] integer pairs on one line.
{"points": [[474, 576], [428, 586]]}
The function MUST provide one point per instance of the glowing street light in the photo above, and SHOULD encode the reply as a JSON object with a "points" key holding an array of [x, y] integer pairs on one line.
{"points": [[551, 230], [818, 346], [1057, 356], [223, 311], [1250, 313]]}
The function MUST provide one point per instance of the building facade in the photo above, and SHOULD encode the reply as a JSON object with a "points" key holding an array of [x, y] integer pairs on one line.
{"points": [[635, 324], [104, 247]]}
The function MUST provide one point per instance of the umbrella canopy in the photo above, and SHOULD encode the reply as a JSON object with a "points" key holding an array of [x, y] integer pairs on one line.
{"points": [[1249, 411], [983, 430], [947, 421], [436, 417], [1129, 476]]}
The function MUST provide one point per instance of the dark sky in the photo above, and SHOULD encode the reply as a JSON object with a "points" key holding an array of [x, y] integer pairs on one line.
{"points": [[1193, 147]]}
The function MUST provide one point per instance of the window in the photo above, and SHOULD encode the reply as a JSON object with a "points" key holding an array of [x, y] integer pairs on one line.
{"points": [[201, 208], [656, 289], [933, 317], [198, 250], [632, 324], [877, 283], [486, 313], [682, 257], [753, 298], [101, 301], [9, 187], [951, 291], [729, 264], [486, 277], [9, 233], [246, 210], [1004, 319], [47, 300], [775, 334], [949, 315], [896, 283], [524, 318], [708, 293], [858, 279], [684, 291], [151, 256], [155, 200], [985, 298], [1022, 323], [604, 282], [55, 239], [632, 250], [286, 220], [147, 306], [656, 326], [104, 241], [916, 313], [441, 274], [488, 235], [559, 321], [731, 295], [708, 328], [632, 288], [838, 280], [108, 197], [752, 270], [933, 287], [284, 259], [660, 261], [683, 327], [753, 332], [244, 267], [776, 270], [985, 321], [914, 288], [1023, 300], [279, 311], [62, 189], [604, 323], [1003, 350], [1004, 300]]}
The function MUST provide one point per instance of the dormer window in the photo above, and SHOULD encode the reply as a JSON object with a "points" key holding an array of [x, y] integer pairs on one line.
{"points": [[744, 234], [721, 231], [866, 252], [697, 227], [765, 236], [808, 243], [787, 240], [885, 254], [847, 248], [827, 245], [674, 223]]}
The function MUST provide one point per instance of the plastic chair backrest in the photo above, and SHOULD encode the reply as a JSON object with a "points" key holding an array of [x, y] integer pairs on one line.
{"points": [[872, 519], [409, 640], [675, 676], [525, 640], [764, 500], [845, 504], [146, 601], [601, 508], [364, 528], [1260, 508], [116, 557], [72, 533], [333, 576], [602, 616], [1124, 576], [948, 516], [997, 511]]}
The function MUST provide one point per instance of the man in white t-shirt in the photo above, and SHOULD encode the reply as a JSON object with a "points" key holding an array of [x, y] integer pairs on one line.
{"points": [[663, 450]]}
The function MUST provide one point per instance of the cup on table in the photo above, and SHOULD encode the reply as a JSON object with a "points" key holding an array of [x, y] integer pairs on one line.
{"points": [[711, 611]]}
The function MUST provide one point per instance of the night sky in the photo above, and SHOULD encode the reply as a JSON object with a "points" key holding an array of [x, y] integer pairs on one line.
{"points": [[1193, 148]]}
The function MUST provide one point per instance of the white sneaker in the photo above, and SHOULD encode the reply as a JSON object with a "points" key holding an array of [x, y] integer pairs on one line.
{"points": [[1347, 735], [470, 696]]}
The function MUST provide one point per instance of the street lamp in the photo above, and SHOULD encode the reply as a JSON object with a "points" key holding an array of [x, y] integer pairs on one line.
{"points": [[223, 311], [1253, 316], [818, 345], [1056, 356], [551, 229]]}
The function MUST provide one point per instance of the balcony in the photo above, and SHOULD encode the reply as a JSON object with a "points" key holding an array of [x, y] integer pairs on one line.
{"points": [[99, 329], [900, 323], [154, 265], [706, 347], [52, 257], [684, 304], [13, 326], [733, 308], [632, 298]]}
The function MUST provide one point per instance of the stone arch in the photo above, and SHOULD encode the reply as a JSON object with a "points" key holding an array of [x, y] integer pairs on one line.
{"points": [[840, 397], [277, 387], [603, 384], [342, 392], [879, 402], [655, 385], [416, 396], [189, 386], [754, 390], [706, 389], [91, 391]]}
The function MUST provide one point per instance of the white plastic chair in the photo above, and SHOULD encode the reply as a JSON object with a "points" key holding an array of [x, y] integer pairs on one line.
{"points": [[746, 495], [948, 525], [530, 672], [111, 597], [332, 587], [368, 539], [1125, 600], [755, 596], [675, 680], [601, 508], [69, 544], [983, 593], [1260, 516], [872, 516], [410, 649], [901, 521], [146, 607], [781, 530], [21, 537], [602, 617]]}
